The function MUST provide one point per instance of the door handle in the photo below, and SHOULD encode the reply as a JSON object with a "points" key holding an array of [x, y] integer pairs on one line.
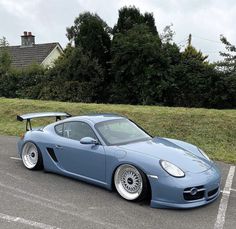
{"points": [[59, 147]]}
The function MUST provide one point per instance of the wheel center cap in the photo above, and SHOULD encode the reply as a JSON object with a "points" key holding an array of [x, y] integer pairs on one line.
{"points": [[130, 181], [32, 154]]}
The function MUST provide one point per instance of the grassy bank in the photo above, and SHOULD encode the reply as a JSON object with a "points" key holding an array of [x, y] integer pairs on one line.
{"points": [[212, 130]]}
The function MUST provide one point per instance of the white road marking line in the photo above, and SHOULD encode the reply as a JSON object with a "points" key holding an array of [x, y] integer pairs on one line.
{"points": [[232, 189], [13, 176], [37, 197], [225, 192], [26, 222], [2, 171], [82, 215], [16, 158], [220, 220]]}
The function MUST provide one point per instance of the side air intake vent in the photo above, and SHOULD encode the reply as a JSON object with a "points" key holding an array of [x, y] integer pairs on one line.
{"points": [[52, 154]]}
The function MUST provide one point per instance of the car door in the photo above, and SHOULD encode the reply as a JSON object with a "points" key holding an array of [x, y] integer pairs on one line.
{"points": [[83, 159]]}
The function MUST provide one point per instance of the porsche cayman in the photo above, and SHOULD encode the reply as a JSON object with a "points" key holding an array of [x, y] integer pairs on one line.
{"points": [[113, 152]]}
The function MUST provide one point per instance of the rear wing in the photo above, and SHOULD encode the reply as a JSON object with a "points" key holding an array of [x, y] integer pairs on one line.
{"points": [[30, 116]]}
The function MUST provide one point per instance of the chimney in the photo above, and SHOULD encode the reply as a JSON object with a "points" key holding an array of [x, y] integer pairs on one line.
{"points": [[27, 39]]}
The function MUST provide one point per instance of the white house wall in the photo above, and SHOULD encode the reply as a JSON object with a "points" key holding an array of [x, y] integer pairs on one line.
{"points": [[49, 60]]}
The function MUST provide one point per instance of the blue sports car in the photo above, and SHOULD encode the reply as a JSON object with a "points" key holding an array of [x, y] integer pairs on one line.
{"points": [[112, 151]]}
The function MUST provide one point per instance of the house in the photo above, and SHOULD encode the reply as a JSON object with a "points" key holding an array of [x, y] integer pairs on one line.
{"points": [[28, 52]]}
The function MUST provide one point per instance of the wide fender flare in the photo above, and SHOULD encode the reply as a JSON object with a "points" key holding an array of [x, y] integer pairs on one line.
{"points": [[148, 165]]}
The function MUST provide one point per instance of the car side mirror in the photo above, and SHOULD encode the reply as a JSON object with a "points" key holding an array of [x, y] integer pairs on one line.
{"points": [[88, 141]]}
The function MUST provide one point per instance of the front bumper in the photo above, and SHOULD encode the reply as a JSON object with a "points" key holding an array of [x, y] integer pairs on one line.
{"points": [[171, 192]]}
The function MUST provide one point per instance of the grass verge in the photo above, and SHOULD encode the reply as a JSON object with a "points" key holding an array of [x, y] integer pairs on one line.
{"points": [[212, 130]]}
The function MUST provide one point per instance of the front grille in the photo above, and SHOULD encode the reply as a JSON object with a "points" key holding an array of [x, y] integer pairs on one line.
{"points": [[198, 187], [198, 194], [212, 192]]}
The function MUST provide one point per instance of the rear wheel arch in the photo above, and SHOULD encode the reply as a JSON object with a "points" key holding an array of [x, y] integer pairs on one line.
{"points": [[39, 164]]}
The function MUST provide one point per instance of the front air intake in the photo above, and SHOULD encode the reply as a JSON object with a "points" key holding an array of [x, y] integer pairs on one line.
{"points": [[213, 192], [194, 193]]}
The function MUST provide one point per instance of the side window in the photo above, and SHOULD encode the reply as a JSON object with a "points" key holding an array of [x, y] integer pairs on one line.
{"points": [[59, 129], [77, 130]]}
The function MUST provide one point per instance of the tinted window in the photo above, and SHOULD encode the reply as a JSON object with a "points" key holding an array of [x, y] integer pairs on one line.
{"points": [[120, 131], [75, 130], [59, 129]]}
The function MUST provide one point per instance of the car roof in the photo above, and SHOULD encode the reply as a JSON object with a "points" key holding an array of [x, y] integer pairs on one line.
{"points": [[96, 118]]}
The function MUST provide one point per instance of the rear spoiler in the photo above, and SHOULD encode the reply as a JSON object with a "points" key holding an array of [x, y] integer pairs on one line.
{"points": [[30, 116]]}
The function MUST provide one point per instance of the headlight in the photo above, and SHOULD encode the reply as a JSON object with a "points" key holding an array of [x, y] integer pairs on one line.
{"points": [[201, 151], [173, 170]]}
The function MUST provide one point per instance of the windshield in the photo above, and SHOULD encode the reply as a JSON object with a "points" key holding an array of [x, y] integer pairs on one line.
{"points": [[120, 131]]}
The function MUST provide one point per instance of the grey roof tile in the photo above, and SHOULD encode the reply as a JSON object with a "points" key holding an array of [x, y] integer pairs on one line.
{"points": [[25, 56]]}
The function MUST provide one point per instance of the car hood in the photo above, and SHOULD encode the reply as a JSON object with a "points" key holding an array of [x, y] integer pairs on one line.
{"points": [[164, 149]]}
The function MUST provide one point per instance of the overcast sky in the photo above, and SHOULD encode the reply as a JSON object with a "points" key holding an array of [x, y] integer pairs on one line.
{"points": [[48, 19]]}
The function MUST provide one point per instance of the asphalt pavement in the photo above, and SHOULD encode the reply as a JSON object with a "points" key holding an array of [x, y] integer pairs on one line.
{"points": [[35, 199]]}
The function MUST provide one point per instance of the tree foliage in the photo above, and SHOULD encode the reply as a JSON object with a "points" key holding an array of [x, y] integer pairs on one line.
{"points": [[193, 74], [130, 17], [5, 58], [4, 42], [227, 72], [137, 62], [92, 34], [168, 34], [128, 64], [228, 65], [81, 75], [92, 40]]}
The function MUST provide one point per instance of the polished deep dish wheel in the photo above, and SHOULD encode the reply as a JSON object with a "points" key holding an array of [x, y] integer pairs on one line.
{"points": [[130, 182], [31, 156]]}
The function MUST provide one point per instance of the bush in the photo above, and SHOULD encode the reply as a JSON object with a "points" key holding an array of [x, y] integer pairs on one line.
{"points": [[8, 85]]}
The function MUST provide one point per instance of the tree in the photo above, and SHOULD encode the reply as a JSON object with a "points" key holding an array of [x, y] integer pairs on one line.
{"points": [[82, 78], [168, 34], [7, 84], [191, 54], [137, 60], [170, 83], [226, 87], [92, 34], [192, 77], [5, 58], [30, 81], [229, 63], [4, 42], [137, 66], [131, 16]]}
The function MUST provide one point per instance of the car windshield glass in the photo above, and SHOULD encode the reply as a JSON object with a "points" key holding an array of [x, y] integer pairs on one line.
{"points": [[120, 131]]}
